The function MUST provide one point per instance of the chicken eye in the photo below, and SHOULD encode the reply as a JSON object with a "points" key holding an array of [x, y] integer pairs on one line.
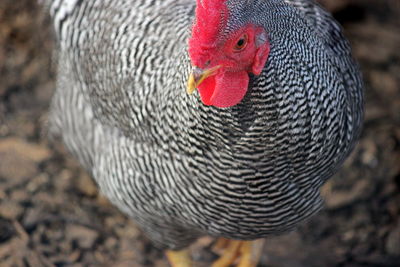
{"points": [[241, 43]]}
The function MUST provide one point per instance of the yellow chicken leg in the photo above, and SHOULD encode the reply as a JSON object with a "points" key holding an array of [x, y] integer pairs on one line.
{"points": [[247, 252], [251, 253], [179, 258]]}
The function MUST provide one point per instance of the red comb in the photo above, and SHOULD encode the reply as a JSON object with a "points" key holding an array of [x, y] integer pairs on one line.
{"points": [[211, 17]]}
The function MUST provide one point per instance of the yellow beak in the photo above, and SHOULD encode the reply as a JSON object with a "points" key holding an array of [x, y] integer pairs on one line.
{"points": [[198, 76]]}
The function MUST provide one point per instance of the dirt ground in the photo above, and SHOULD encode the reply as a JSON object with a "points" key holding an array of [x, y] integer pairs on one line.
{"points": [[51, 213]]}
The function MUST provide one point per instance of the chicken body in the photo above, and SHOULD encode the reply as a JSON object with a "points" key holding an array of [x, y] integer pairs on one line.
{"points": [[182, 169]]}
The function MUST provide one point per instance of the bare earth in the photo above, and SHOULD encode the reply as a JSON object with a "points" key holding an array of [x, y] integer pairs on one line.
{"points": [[51, 213]]}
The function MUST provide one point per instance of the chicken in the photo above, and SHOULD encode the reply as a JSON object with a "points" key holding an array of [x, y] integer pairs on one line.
{"points": [[278, 107]]}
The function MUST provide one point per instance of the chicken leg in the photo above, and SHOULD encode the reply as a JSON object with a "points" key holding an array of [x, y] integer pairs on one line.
{"points": [[179, 258], [244, 253], [247, 253]]}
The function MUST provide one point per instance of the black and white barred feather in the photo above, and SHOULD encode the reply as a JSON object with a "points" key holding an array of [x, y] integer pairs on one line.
{"points": [[181, 169]]}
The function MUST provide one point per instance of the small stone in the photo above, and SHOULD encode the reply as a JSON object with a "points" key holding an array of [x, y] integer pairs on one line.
{"points": [[110, 243], [84, 236], [63, 179], [74, 256], [348, 235], [10, 166], [34, 152], [128, 230], [19, 195], [114, 222], [14, 153], [11, 210], [86, 185], [37, 182]]}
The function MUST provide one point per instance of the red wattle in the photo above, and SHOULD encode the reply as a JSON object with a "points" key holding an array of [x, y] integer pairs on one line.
{"points": [[206, 90], [224, 90]]}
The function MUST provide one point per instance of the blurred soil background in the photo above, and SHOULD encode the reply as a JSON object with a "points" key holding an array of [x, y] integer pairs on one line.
{"points": [[51, 213]]}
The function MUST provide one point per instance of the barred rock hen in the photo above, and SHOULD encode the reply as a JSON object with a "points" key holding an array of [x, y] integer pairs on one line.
{"points": [[277, 110]]}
